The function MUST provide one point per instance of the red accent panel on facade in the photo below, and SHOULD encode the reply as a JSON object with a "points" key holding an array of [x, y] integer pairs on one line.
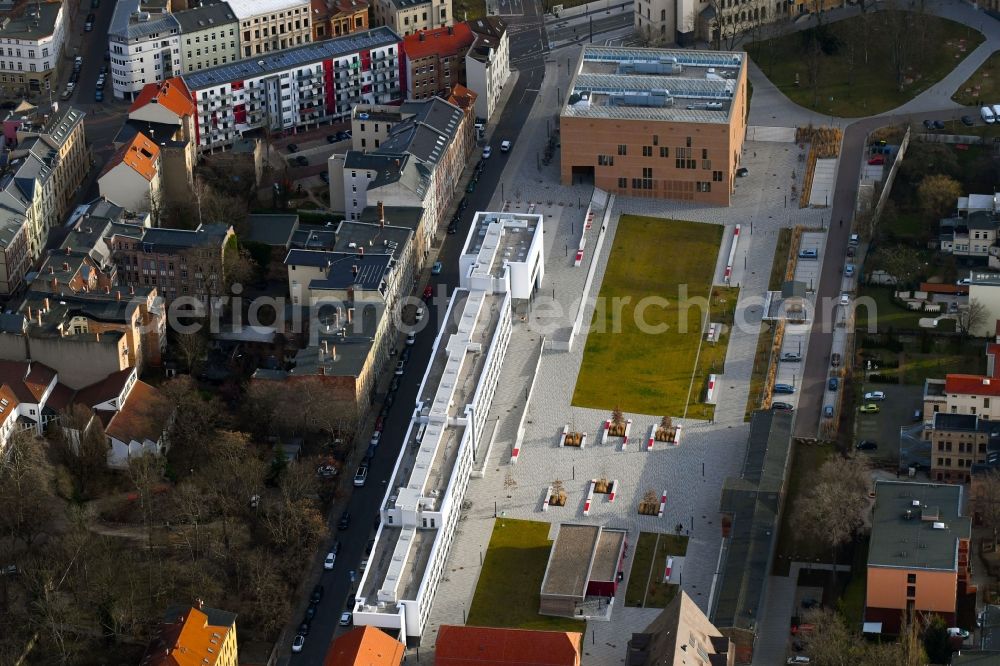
{"points": [[237, 85], [240, 113], [329, 87], [366, 60]]}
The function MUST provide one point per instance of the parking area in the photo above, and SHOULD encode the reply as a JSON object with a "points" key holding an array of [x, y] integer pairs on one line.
{"points": [[895, 411]]}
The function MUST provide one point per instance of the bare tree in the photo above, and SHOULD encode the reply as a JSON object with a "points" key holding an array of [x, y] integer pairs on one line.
{"points": [[238, 267], [900, 261], [194, 422], [83, 448], [509, 484], [986, 499], [26, 499], [191, 347], [971, 317]]}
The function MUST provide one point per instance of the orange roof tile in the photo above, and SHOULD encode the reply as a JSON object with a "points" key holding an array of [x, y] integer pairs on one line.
{"points": [[438, 41], [365, 646], [171, 94], [189, 639], [487, 646], [462, 97], [8, 402], [27, 381], [971, 385], [940, 288], [143, 416], [140, 154]]}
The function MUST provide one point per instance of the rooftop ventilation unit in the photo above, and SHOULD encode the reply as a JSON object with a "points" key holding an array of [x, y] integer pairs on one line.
{"points": [[654, 99], [706, 106], [659, 66]]}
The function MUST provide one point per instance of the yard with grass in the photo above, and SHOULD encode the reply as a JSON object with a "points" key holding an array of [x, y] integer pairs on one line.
{"points": [[646, 588], [806, 460], [712, 357], [984, 84], [508, 591], [855, 67], [654, 262], [886, 313]]}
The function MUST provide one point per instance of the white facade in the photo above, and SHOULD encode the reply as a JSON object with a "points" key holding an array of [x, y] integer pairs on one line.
{"points": [[423, 502], [307, 86], [267, 26], [31, 47], [487, 69], [144, 46], [128, 188], [984, 288]]}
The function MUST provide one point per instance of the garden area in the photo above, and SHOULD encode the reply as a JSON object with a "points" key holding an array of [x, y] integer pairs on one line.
{"points": [[712, 356], [864, 65], [984, 84], [646, 588], [806, 459], [508, 591], [653, 263]]}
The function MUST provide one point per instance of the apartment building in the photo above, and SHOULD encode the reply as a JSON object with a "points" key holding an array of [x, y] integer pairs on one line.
{"points": [[175, 261], [31, 47], [918, 555], [333, 18], [194, 634], [365, 646], [46, 165], [419, 152], [131, 177], [209, 37], [487, 63], [655, 123], [435, 60], [680, 626], [144, 40], [165, 113], [684, 22], [295, 89], [409, 16], [267, 26], [501, 262], [958, 443]]}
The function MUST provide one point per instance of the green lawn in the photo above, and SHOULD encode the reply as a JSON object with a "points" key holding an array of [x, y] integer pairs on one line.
{"points": [[806, 460], [468, 10], [887, 312], [712, 357], [649, 560], [984, 84], [851, 604], [779, 265], [507, 594], [849, 86], [651, 371]]}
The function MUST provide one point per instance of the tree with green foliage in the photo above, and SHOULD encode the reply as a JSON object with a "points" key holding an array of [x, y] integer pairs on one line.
{"points": [[900, 261], [938, 195], [936, 641]]}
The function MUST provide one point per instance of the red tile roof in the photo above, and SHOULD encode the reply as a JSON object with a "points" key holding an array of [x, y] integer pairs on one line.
{"points": [[28, 386], [486, 646], [462, 97], [971, 385], [140, 154], [143, 416], [438, 41], [8, 402], [365, 646], [171, 94], [104, 390], [941, 288]]}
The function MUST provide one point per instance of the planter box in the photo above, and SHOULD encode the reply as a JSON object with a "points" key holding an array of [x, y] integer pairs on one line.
{"points": [[590, 499], [614, 491], [548, 494], [562, 437]]}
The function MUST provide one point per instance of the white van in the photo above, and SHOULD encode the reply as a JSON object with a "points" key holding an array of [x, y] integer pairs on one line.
{"points": [[987, 115]]}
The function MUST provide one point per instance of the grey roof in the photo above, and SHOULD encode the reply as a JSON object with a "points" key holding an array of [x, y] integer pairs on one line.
{"points": [[981, 219], [205, 17], [492, 26], [408, 4], [753, 501], [373, 237], [428, 133], [396, 216], [966, 422], [290, 58], [391, 168], [216, 617], [171, 240], [917, 525], [271, 229], [126, 23], [349, 352], [159, 133], [314, 237], [344, 269], [37, 21]]}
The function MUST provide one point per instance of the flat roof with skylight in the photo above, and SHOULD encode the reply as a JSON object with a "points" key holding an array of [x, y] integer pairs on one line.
{"points": [[917, 525], [677, 85]]}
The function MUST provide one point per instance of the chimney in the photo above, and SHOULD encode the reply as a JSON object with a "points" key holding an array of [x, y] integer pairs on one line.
{"points": [[354, 272], [199, 604], [326, 348], [131, 290], [46, 302], [118, 295], [107, 289], [361, 253], [333, 352], [322, 370], [69, 250], [29, 313], [350, 315], [55, 282], [51, 270], [421, 36], [39, 318], [97, 337], [65, 266], [381, 214]]}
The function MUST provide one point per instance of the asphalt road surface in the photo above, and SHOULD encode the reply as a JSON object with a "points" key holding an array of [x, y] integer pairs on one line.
{"points": [[364, 502]]}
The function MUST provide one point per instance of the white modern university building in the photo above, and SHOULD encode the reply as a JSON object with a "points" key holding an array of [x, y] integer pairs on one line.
{"points": [[501, 266]]}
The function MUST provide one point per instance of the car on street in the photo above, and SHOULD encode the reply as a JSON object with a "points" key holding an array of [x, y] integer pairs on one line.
{"points": [[452, 228], [436, 268], [956, 632], [68, 92], [471, 187], [428, 292], [400, 368], [411, 338], [419, 315], [89, 24], [304, 628], [791, 357], [301, 161], [798, 659], [809, 602], [845, 299], [784, 388], [968, 121], [317, 594], [298, 643], [782, 406], [849, 270], [329, 561], [742, 172], [311, 612], [376, 436], [833, 384], [933, 125], [98, 95], [505, 146], [345, 521], [487, 151], [292, 148], [877, 160], [938, 125], [835, 360], [342, 136], [874, 395], [74, 77], [360, 476], [870, 408], [828, 412], [332, 138], [346, 619], [867, 445], [94, 4], [809, 253]]}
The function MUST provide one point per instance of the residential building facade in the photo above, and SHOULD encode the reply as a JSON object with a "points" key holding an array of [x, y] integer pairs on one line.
{"points": [[209, 37], [918, 556], [165, 113], [661, 22], [194, 634], [131, 178], [959, 442], [487, 64], [31, 49], [435, 60], [145, 44], [333, 18], [302, 88], [675, 131], [680, 626], [267, 26], [409, 16]]}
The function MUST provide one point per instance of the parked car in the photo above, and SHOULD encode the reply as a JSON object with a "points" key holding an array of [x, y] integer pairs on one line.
{"points": [[877, 159], [968, 121], [376, 436], [298, 643], [854, 240], [292, 148], [835, 360], [325, 176], [845, 299], [311, 611], [99, 96], [870, 408], [317, 594], [88, 26], [956, 632], [849, 270], [809, 253], [360, 476], [986, 113], [505, 146], [332, 138], [411, 338], [742, 172], [782, 406], [833, 384], [798, 659], [791, 357], [436, 268], [784, 388], [828, 412], [428, 292], [346, 619], [419, 315], [74, 77], [400, 368], [874, 395], [329, 561], [304, 628], [471, 187], [301, 161], [345, 521], [452, 228], [866, 445], [487, 151], [68, 92]]}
